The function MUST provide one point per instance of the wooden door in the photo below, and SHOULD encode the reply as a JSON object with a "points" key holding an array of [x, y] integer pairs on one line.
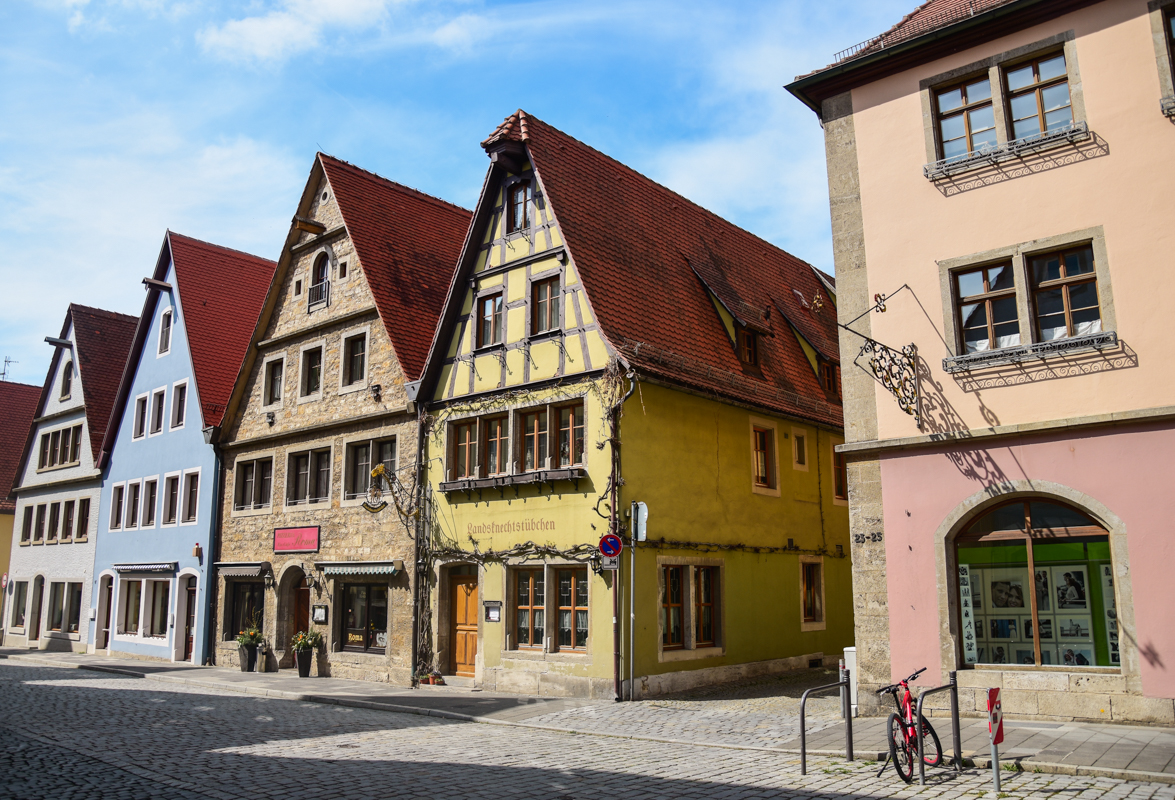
{"points": [[301, 607], [190, 620], [463, 609], [108, 599], [34, 628]]}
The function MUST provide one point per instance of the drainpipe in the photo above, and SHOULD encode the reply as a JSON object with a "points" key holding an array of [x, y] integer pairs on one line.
{"points": [[613, 527], [213, 555], [415, 578]]}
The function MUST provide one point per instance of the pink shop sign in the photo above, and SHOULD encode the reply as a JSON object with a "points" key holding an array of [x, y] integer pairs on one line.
{"points": [[295, 540]]}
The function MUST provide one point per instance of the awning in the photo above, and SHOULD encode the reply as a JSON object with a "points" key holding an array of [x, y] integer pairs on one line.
{"points": [[361, 567], [243, 569], [168, 566]]}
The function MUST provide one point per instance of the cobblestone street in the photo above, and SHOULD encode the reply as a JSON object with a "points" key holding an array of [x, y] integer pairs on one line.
{"points": [[76, 734]]}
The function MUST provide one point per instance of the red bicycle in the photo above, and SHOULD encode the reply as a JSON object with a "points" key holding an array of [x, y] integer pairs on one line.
{"points": [[902, 732]]}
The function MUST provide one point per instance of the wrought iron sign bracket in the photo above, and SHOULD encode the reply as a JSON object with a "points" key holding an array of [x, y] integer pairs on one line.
{"points": [[895, 370]]}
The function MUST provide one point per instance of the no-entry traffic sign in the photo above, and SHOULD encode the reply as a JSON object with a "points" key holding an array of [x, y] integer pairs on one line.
{"points": [[611, 545]]}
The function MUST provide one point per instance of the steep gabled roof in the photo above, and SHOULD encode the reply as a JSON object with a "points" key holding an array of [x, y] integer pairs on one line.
{"points": [[408, 244], [649, 259], [18, 407], [221, 292], [103, 340]]}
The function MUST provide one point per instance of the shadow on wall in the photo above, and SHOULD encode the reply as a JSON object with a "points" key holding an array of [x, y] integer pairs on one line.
{"points": [[1023, 166], [1121, 357]]}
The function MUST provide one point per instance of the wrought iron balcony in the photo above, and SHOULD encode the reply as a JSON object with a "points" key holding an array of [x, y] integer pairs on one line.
{"points": [[1167, 104], [1073, 132], [319, 293], [1102, 340]]}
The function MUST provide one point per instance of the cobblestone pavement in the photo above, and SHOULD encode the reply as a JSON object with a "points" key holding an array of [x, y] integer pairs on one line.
{"points": [[75, 734]]}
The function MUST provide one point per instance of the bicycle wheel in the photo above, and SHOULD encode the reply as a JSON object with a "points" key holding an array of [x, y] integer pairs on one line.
{"points": [[932, 753], [899, 749]]}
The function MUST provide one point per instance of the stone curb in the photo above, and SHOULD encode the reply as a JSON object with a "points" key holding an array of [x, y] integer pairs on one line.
{"points": [[1041, 766]]}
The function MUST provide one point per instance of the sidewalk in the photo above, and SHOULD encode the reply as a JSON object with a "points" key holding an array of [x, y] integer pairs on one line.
{"points": [[759, 715]]}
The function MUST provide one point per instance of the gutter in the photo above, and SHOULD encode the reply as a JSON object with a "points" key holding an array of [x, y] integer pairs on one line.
{"points": [[613, 527]]}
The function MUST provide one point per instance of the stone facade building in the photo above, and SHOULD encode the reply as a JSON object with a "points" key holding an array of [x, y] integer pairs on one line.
{"points": [[320, 403]]}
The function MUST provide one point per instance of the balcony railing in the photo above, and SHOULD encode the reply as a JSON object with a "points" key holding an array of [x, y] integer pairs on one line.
{"points": [[250, 506], [1073, 132], [319, 293], [1102, 340]]}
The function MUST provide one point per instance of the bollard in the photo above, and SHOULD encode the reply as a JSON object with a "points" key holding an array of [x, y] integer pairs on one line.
{"points": [[957, 739], [846, 709]]}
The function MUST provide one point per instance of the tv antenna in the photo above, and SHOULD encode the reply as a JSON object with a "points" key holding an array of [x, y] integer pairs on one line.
{"points": [[4, 372]]}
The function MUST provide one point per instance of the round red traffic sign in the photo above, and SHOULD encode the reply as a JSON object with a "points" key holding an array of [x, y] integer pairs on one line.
{"points": [[611, 545]]}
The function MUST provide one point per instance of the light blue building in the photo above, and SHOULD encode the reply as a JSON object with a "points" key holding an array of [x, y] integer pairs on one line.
{"points": [[158, 513]]}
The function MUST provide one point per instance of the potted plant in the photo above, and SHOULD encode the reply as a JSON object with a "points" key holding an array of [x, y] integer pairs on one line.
{"points": [[304, 644], [247, 642]]}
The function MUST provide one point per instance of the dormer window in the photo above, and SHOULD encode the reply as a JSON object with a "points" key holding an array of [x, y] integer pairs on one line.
{"points": [[67, 380], [319, 291], [165, 333], [830, 377], [748, 347], [518, 199]]}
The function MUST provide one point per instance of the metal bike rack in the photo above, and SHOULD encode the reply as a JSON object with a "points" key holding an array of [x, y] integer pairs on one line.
{"points": [[845, 710], [957, 761]]}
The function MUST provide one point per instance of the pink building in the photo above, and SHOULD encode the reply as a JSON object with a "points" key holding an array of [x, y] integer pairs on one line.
{"points": [[1001, 178]]}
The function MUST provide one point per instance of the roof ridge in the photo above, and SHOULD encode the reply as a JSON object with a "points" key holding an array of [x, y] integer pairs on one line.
{"points": [[395, 184], [215, 246], [93, 311], [18, 383]]}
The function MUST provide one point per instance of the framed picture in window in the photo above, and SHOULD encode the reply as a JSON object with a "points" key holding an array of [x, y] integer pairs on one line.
{"points": [[1070, 587], [1077, 655], [1005, 629], [1048, 655], [999, 654], [977, 589], [1025, 655], [980, 628], [1044, 597], [1074, 629], [1007, 589], [1046, 629]]}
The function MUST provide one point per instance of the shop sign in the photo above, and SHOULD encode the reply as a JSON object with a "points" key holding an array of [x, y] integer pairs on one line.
{"points": [[295, 540]]}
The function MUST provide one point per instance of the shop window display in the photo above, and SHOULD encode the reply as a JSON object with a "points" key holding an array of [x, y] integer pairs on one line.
{"points": [[1036, 588]]}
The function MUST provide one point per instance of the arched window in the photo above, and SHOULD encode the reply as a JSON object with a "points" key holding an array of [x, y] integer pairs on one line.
{"points": [[67, 380], [1036, 586]]}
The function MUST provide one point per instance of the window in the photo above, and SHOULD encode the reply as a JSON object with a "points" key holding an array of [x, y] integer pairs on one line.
{"points": [[354, 359], [75, 449], [319, 281], [60, 448], [298, 288], [309, 477], [26, 529], [140, 429], [248, 608], [1064, 294], [1036, 586], [342, 269], [56, 605], [465, 450], [132, 505], [764, 439], [830, 377], [116, 501], [569, 448], [518, 207], [986, 303], [1038, 96], [840, 476], [66, 380], [673, 608], [171, 501], [191, 496], [799, 450], [39, 530], [160, 605], [179, 402], [812, 591], [705, 579], [67, 519], [748, 347], [489, 320], [365, 620], [966, 119], [254, 484], [534, 440], [73, 616], [544, 306], [165, 333], [132, 601], [311, 371], [83, 528], [273, 381], [54, 521], [20, 595], [359, 466], [150, 500], [530, 606], [573, 609], [496, 445], [157, 402]]}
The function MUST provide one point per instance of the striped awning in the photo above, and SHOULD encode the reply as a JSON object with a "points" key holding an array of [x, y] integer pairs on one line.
{"points": [[242, 569], [163, 566], [361, 567]]}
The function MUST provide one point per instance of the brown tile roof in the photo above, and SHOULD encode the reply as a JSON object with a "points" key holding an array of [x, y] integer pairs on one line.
{"points": [[222, 292], [646, 256], [103, 340], [18, 406], [408, 245]]}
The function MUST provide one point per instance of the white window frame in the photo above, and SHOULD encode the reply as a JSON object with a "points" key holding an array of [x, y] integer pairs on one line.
{"points": [[373, 441], [822, 624], [761, 422], [360, 385], [265, 406], [183, 498], [121, 505], [178, 475], [151, 410], [143, 501], [236, 474], [67, 369], [309, 398], [138, 505], [168, 313], [145, 397], [796, 434], [149, 603], [171, 426], [119, 601], [310, 450]]}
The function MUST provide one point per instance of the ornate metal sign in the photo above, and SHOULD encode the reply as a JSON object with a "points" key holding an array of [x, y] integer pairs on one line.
{"points": [[375, 497], [896, 370]]}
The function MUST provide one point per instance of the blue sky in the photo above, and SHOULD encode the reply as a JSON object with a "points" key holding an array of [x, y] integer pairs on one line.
{"points": [[122, 118]]}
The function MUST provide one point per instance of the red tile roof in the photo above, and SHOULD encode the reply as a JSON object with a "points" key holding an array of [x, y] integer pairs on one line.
{"points": [[103, 340], [408, 245], [222, 292], [18, 406], [646, 256]]}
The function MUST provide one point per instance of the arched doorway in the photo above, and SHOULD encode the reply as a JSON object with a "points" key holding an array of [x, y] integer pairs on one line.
{"points": [[1036, 587], [293, 611]]}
